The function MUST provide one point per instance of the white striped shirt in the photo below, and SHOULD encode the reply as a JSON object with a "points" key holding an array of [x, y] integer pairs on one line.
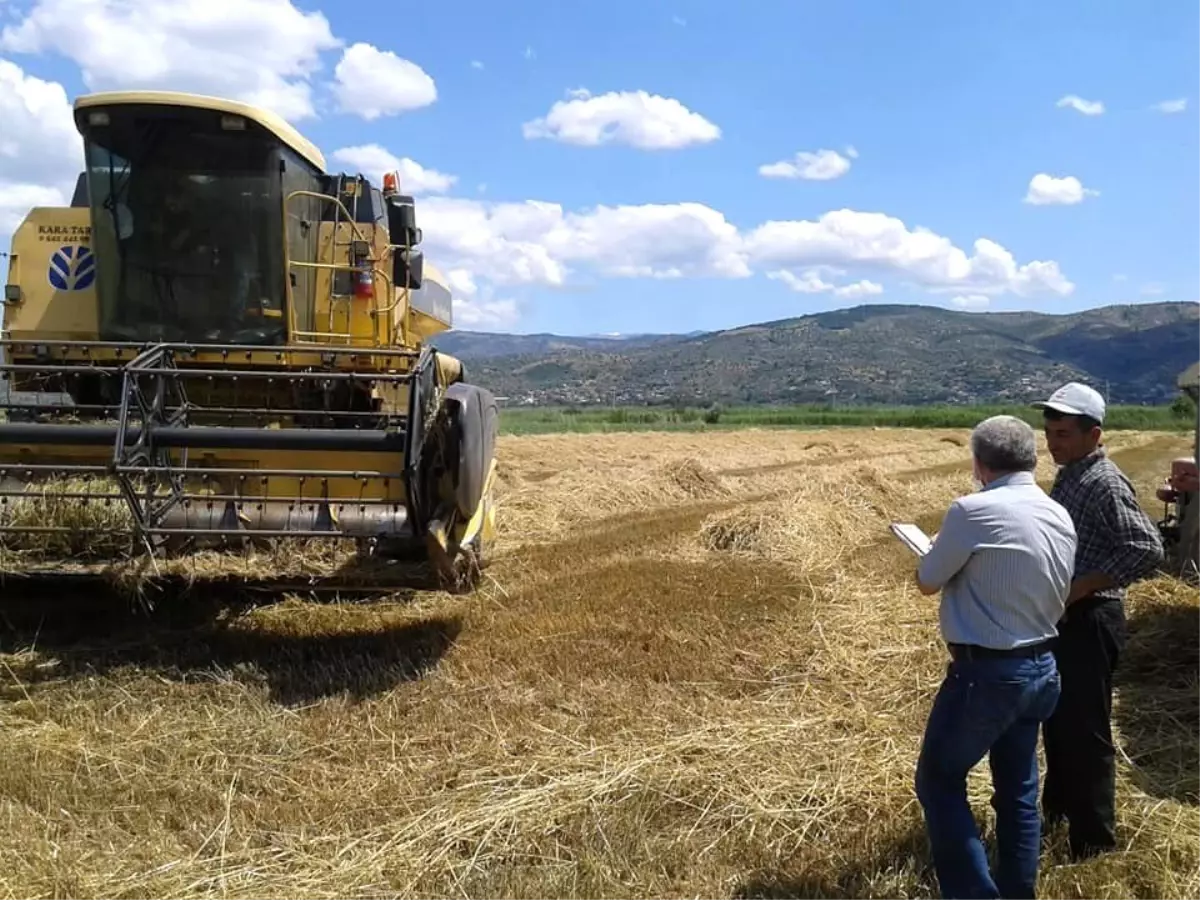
{"points": [[1004, 559]]}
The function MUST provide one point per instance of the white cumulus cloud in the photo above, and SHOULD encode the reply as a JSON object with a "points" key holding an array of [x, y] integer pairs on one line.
{"points": [[971, 302], [881, 243], [536, 242], [476, 306], [636, 118], [858, 289], [1047, 190], [487, 315], [490, 248], [18, 198], [38, 140], [373, 161], [500, 242], [1077, 103], [1172, 107], [370, 83], [41, 153], [807, 282], [823, 165], [259, 51], [810, 281], [542, 244], [487, 248]]}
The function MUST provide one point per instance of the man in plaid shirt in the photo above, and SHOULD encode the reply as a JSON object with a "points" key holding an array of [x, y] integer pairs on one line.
{"points": [[1118, 544]]}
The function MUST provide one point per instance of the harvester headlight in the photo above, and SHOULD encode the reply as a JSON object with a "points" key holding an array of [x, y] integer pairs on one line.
{"points": [[12, 293], [233, 123], [98, 118]]}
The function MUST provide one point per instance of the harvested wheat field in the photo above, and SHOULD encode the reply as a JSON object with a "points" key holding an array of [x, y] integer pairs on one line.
{"points": [[697, 667]]}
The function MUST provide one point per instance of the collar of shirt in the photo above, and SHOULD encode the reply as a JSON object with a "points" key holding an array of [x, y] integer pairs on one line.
{"points": [[1010, 478], [1081, 465]]}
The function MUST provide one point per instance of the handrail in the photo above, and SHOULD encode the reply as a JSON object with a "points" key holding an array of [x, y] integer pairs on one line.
{"points": [[337, 267], [349, 218], [308, 338], [376, 272], [391, 286]]}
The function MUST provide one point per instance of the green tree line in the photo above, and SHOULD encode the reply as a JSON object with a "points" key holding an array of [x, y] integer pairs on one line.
{"points": [[1177, 416]]}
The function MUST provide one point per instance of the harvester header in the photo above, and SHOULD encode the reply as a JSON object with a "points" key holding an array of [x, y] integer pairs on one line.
{"points": [[234, 341]]}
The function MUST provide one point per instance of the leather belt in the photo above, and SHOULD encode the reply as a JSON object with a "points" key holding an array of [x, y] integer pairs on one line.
{"points": [[973, 651]]}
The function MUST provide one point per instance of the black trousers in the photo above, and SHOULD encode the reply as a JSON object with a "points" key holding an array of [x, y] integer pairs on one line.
{"points": [[1080, 783]]}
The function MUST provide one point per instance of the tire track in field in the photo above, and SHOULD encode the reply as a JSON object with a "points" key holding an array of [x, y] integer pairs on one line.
{"points": [[857, 455], [623, 533], [626, 538], [1150, 452]]}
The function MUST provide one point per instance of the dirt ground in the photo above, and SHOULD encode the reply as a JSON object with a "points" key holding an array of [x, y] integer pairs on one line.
{"points": [[697, 666]]}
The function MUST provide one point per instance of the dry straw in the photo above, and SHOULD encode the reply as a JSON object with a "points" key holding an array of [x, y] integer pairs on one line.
{"points": [[698, 667]]}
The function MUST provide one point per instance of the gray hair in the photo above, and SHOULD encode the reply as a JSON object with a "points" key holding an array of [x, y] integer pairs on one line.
{"points": [[1005, 444]]}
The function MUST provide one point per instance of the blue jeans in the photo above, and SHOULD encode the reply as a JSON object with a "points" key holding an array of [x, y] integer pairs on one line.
{"points": [[991, 706]]}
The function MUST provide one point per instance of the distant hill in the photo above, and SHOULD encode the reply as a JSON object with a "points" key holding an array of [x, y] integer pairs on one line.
{"points": [[481, 344], [877, 354]]}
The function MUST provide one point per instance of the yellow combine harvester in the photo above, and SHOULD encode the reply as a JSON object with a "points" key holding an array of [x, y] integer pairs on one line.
{"points": [[235, 340]]}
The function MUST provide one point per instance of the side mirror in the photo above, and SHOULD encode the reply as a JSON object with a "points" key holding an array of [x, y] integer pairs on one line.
{"points": [[408, 268], [402, 220]]}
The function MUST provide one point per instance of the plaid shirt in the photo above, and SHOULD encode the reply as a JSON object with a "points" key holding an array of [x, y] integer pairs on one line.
{"points": [[1115, 536]]}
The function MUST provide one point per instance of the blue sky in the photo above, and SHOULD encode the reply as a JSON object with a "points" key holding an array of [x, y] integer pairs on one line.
{"points": [[940, 113]]}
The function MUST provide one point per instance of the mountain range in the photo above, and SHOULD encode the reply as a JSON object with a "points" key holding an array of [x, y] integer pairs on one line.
{"points": [[878, 354]]}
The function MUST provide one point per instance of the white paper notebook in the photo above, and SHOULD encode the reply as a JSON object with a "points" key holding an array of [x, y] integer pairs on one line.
{"points": [[913, 537]]}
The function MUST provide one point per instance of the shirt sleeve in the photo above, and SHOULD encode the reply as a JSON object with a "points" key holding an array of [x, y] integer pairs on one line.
{"points": [[951, 549], [1136, 544]]}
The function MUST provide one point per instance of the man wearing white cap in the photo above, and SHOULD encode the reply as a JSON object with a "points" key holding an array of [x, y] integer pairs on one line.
{"points": [[1118, 544]]}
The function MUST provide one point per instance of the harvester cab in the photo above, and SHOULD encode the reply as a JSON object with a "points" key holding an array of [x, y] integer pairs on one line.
{"points": [[1180, 492], [233, 342]]}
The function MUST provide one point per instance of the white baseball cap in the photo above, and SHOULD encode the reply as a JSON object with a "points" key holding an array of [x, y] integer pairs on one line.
{"points": [[1075, 399]]}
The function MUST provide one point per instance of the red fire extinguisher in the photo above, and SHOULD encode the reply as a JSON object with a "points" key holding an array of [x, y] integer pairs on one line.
{"points": [[364, 281]]}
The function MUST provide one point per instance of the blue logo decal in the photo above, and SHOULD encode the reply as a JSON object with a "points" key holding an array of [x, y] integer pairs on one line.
{"points": [[72, 268]]}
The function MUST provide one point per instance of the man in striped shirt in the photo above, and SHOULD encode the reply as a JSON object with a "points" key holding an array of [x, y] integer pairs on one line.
{"points": [[1003, 560], [1118, 544]]}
